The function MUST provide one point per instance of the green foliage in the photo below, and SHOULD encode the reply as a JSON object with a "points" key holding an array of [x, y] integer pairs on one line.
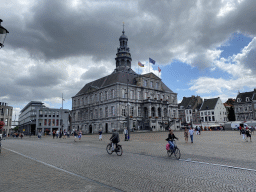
{"points": [[16, 128]]}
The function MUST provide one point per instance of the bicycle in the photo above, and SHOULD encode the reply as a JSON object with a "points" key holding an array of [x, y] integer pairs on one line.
{"points": [[118, 149], [174, 151]]}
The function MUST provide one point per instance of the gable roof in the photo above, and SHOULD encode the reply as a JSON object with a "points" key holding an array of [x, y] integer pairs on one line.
{"points": [[244, 95], [209, 104], [190, 102]]}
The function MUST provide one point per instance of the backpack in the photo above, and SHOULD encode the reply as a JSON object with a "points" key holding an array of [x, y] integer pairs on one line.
{"points": [[167, 146]]}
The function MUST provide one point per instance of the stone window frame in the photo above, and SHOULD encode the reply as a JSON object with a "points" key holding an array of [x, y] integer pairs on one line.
{"points": [[106, 112], [112, 111], [139, 112], [112, 93], [132, 111], [157, 85], [123, 112]]}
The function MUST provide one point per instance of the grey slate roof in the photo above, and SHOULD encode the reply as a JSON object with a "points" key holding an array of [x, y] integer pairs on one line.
{"points": [[243, 96], [209, 104], [118, 77], [190, 103]]}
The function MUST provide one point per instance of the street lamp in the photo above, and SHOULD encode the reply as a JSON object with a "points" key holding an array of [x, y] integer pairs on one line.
{"points": [[128, 113], [3, 33]]}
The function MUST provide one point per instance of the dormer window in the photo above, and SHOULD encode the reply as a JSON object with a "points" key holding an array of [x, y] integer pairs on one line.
{"points": [[247, 99], [238, 100], [151, 84], [145, 83], [157, 85]]}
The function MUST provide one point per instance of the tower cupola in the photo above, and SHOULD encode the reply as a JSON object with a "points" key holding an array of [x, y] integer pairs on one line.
{"points": [[123, 56]]}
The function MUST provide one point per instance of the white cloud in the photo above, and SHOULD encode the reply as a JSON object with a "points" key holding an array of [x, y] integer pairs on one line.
{"points": [[56, 47]]}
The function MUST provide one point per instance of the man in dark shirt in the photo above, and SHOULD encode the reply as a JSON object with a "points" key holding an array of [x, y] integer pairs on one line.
{"points": [[114, 138]]}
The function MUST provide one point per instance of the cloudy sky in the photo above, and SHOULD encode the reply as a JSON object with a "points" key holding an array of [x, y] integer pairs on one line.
{"points": [[203, 47]]}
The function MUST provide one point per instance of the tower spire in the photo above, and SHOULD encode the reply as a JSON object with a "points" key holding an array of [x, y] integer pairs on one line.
{"points": [[123, 28]]}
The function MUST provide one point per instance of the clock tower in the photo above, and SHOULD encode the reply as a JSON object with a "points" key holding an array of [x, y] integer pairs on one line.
{"points": [[123, 56]]}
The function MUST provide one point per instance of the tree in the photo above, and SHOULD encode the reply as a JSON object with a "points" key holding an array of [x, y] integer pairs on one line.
{"points": [[16, 128], [231, 114]]}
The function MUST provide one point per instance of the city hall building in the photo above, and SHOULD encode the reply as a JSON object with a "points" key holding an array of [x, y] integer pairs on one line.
{"points": [[125, 99]]}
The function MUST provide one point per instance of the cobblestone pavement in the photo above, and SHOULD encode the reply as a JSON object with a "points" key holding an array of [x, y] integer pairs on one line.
{"points": [[216, 161]]}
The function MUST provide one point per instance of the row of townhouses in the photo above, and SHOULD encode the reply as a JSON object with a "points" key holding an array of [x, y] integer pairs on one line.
{"points": [[245, 106], [195, 111]]}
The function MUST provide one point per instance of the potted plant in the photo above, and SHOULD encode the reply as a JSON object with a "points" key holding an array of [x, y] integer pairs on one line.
{"points": [[149, 117], [156, 117]]}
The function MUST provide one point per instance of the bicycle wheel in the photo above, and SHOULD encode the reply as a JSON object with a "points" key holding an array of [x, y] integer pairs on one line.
{"points": [[169, 153], [119, 150], [177, 153], [109, 149]]}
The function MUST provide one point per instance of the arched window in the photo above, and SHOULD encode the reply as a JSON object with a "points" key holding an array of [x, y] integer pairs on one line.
{"points": [[145, 112], [159, 112]]}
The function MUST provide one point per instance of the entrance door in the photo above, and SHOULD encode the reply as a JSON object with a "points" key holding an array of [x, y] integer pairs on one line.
{"points": [[106, 128], [90, 129], [33, 129]]}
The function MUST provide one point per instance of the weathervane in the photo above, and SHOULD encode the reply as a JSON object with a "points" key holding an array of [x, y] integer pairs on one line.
{"points": [[123, 28]]}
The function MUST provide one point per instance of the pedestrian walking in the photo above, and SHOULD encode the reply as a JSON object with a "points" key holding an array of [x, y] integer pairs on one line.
{"points": [[125, 134], [53, 134], [248, 134], [68, 133], [240, 128], [64, 134], [80, 135], [191, 133], [186, 134], [199, 130], [39, 135], [57, 134], [100, 135], [243, 133], [60, 133], [75, 135], [21, 135]]}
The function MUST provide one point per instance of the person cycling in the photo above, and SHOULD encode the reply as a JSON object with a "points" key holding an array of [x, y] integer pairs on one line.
{"points": [[114, 138], [171, 138]]}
